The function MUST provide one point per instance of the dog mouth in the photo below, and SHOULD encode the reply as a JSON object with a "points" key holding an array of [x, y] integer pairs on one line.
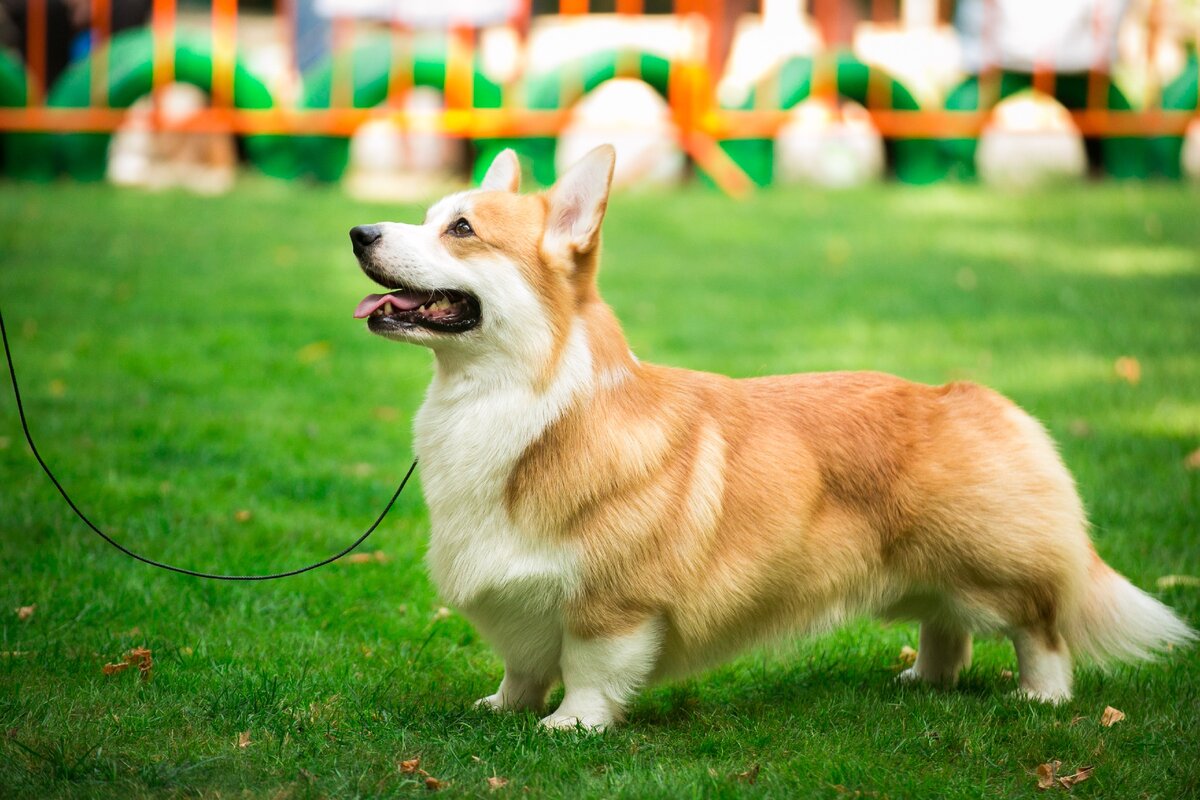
{"points": [[439, 310]]}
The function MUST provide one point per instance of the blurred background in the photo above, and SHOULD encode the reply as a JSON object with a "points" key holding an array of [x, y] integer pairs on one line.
{"points": [[402, 98]]}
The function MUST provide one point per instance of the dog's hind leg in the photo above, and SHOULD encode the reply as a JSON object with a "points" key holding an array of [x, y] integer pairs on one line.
{"points": [[944, 651], [1044, 664]]}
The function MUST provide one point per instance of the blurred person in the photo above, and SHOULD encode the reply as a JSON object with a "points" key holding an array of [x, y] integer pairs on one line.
{"points": [[1031, 35], [68, 25]]}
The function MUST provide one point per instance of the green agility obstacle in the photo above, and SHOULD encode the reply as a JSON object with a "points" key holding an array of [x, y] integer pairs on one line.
{"points": [[369, 69], [916, 159], [26, 155], [130, 75], [1123, 156], [1181, 94], [565, 85]]}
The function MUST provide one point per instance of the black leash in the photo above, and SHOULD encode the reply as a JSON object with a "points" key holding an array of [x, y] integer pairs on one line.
{"points": [[12, 372]]}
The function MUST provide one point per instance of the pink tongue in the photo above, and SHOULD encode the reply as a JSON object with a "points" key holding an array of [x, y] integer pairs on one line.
{"points": [[401, 300]]}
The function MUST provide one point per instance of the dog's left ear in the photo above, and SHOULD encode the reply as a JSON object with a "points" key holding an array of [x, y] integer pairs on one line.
{"points": [[579, 199], [504, 175]]}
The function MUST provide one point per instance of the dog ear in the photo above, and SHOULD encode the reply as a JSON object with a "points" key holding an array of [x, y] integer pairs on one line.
{"points": [[504, 175], [578, 201]]}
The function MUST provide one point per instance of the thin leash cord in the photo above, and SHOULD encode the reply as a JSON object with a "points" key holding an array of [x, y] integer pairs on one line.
{"points": [[12, 372]]}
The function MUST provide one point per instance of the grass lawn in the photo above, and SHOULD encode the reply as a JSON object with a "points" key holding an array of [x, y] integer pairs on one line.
{"points": [[193, 374]]}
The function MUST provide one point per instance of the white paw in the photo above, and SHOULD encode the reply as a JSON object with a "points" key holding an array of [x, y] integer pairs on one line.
{"points": [[592, 723], [1051, 696], [491, 702], [909, 676]]}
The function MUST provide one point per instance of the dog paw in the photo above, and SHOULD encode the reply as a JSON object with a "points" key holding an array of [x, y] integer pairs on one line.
{"points": [[909, 675], [1048, 696], [491, 702], [590, 723]]}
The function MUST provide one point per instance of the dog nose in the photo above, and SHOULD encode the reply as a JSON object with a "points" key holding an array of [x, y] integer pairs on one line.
{"points": [[364, 235]]}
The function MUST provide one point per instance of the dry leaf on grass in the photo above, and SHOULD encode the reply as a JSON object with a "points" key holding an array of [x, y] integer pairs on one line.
{"points": [[1111, 716], [749, 776], [441, 614], [1006, 674], [385, 413], [243, 739], [495, 783], [243, 515], [908, 655], [139, 657], [432, 784], [1081, 775], [1046, 773], [376, 557], [410, 766], [1171, 581], [1193, 459], [314, 352], [1128, 369], [26, 612]]}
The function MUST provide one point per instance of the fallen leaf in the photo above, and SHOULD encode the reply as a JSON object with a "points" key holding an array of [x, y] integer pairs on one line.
{"points": [[243, 739], [1128, 369], [1193, 459], [1081, 775], [138, 657], [25, 612], [1046, 773], [1111, 716], [187, 651], [432, 784], [359, 558], [1169, 581], [441, 614], [1006, 674], [908, 655], [495, 783], [410, 766], [750, 775], [1075, 720], [314, 352], [381, 557], [1079, 428], [243, 515], [385, 413]]}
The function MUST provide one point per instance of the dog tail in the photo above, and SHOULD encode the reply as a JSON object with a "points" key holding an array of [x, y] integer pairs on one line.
{"points": [[1119, 622]]}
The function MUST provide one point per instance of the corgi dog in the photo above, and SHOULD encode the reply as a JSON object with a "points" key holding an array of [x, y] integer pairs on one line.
{"points": [[609, 523]]}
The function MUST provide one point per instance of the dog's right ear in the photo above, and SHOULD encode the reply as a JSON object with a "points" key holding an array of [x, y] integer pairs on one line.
{"points": [[504, 175]]}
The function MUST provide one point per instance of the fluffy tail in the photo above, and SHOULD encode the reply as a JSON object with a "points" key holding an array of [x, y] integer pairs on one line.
{"points": [[1119, 622]]}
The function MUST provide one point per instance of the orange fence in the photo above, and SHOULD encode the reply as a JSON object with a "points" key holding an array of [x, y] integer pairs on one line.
{"points": [[705, 128]]}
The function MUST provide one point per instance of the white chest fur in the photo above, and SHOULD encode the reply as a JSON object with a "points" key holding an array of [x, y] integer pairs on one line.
{"points": [[470, 432]]}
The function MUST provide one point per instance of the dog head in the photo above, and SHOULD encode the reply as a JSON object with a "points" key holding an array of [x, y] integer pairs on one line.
{"points": [[490, 272]]}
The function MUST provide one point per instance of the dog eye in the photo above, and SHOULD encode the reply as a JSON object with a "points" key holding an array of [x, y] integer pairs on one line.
{"points": [[460, 227]]}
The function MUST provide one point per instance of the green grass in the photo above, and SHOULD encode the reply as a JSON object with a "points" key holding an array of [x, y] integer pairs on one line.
{"points": [[184, 359]]}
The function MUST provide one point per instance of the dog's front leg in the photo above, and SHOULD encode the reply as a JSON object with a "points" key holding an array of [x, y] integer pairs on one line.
{"points": [[601, 674], [531, 649]]}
